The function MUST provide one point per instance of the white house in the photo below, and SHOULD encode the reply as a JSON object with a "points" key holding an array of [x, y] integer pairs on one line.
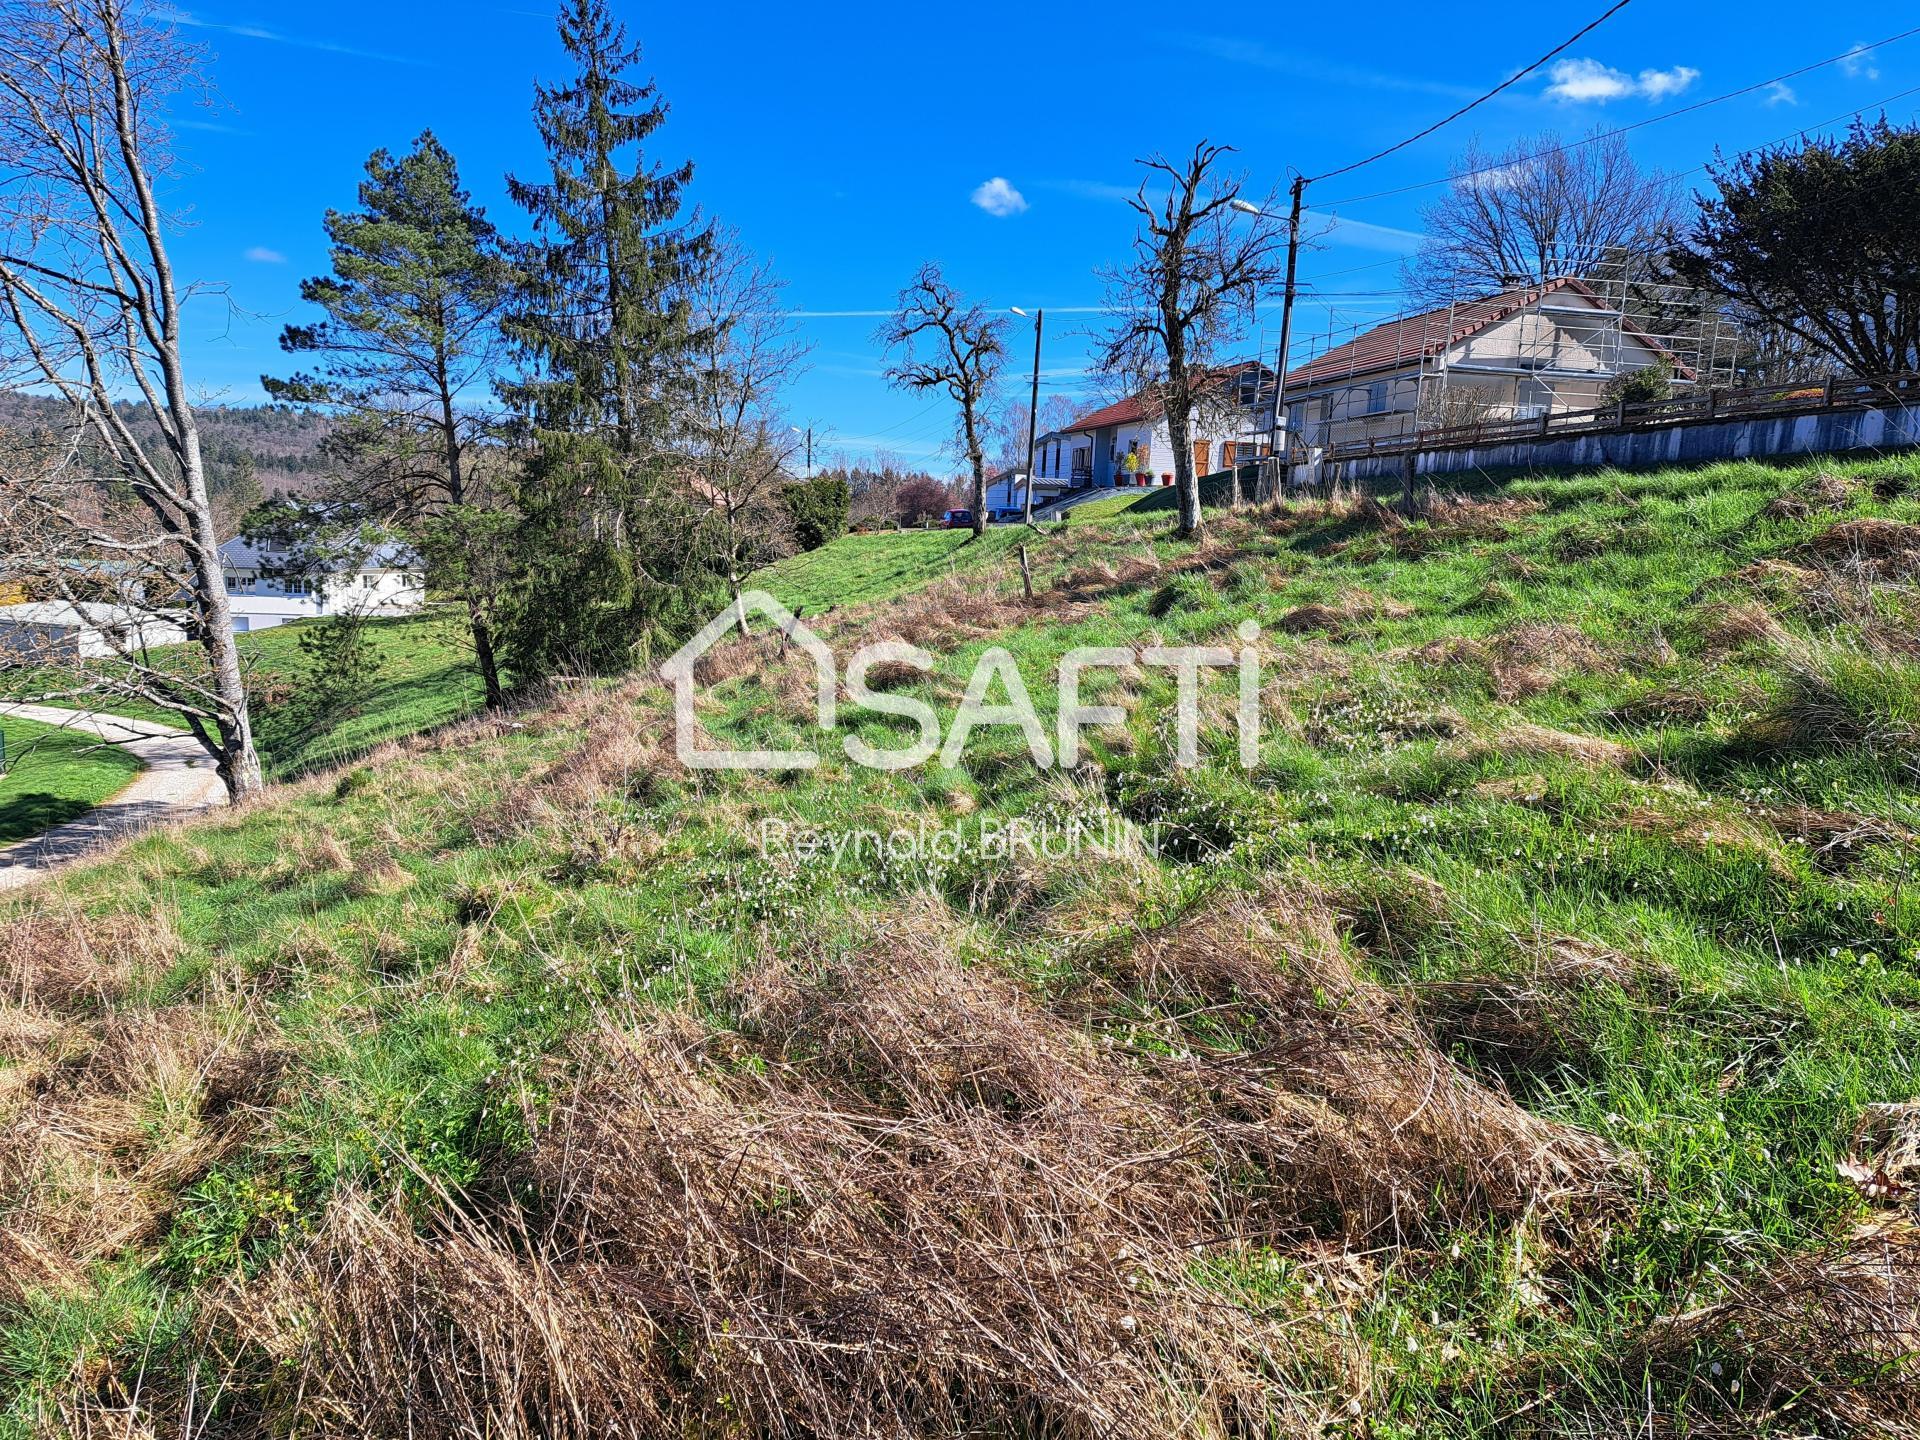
{"points": [[1516, 355], [56, 630], [1129, 443], [386, 580]]}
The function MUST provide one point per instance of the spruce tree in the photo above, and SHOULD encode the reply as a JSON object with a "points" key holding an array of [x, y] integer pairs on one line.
{"points": [[599, 314], [613, 551]]}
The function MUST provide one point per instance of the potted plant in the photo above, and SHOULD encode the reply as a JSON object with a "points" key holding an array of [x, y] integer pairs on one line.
{"points": [[1132, 466]]}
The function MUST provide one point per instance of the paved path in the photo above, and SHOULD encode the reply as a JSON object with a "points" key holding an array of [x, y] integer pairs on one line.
{"points": [[179, 780]]}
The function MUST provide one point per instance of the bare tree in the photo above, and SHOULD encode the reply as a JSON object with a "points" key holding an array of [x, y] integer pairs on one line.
{"points": [[90, 310], [945, 343], [734, 446], [1537, 210], [1010, 427], [1198, 269]]}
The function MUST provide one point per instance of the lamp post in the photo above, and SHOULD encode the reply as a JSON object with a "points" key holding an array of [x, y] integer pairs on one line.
{"points": [[1281, 458], [1033, 406], [808, 433]]}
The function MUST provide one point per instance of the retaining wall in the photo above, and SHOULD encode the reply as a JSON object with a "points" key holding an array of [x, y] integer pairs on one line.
{"points": [[1687, 443]]}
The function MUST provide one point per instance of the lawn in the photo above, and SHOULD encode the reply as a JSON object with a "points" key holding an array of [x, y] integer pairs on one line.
{"points": [[1495, 1056], [425, 677], [856, 569], [53, 775]]}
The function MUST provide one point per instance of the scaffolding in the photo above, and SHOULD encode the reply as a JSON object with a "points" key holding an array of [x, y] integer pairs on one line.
{"points": [[1420, 371]]}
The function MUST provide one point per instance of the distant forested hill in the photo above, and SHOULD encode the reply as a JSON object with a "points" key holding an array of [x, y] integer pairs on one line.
{"points": [[280, 443]]}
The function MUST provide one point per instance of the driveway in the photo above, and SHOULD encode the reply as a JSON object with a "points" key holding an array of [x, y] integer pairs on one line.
{"points": [[179, 780]]}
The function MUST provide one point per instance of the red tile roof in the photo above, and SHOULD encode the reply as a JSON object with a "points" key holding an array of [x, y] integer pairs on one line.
{"points": [[1399, 343], [1136, 407]]}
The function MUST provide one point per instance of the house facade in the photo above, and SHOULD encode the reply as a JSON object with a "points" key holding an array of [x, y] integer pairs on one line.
{"points": [[1130, 444], [1516, 355], [386, 580], [53, 631]]}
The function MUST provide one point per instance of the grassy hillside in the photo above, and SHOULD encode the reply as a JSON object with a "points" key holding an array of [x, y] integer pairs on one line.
{"points": [[425, 677], [1497, 1056], [54, 775]]}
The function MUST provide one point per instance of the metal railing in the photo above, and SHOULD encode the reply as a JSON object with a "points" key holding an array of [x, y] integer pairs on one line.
{"points": [[1835, 393]]}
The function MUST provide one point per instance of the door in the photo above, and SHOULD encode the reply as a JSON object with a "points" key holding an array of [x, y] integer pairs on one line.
{"points": [[1201, 450]]}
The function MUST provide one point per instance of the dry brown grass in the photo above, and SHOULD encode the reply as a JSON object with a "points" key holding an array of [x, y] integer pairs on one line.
{"points": [[927, 1206], [1727, 628], [901, 1195], [1825, 492], [1536, 1015], [1883, 549], [1822, 1343], [132, 1106], [1835, 840], [1341, 1103], [1350, 608], [1521, 660], [1525, 739]]}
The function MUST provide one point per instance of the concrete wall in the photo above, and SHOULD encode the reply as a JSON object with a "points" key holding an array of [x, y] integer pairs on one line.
{"points": [[1698, 442]]}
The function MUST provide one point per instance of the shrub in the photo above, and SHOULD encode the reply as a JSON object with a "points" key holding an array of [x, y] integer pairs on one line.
{"points": [[819, 509], [1640, 387]]}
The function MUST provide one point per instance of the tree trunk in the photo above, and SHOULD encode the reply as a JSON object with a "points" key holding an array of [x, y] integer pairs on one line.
{"points": [[238, 761], [483, 655], [1186, 483], [739, 605], [979, 463]]}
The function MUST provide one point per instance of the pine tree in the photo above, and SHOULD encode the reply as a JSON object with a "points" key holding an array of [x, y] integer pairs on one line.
{"points": [[413, 310]]}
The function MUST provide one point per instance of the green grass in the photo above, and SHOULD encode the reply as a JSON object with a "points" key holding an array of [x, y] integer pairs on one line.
{"points": [[420, 942], [856, 569], [54, 775], [425, 678]]}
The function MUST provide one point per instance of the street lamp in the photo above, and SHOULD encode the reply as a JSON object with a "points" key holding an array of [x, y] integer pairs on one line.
{"points": [[808, 432], [1033, 407], [1247, 207]]}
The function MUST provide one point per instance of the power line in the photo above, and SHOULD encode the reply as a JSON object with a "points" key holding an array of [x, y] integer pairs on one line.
{"points": [[1771, 80], [1513, 79]]}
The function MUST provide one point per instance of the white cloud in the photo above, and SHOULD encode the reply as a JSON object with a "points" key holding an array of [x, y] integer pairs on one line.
{"points": [[997, 197], [1364, 235], [1317, 68], [1579, 82], [275, 37], [1781, 93], [261, 255], [1658, 84], [1857, 63]]}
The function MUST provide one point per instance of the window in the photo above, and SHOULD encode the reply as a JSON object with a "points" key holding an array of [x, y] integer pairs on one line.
{"points": [[1377, 398]]}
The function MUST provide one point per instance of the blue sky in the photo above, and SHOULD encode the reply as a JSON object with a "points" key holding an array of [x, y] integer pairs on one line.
{"points": [[851, 142]]}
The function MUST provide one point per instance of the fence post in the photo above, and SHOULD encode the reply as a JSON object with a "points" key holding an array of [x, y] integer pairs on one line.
{"points": [[1826, 392], [1409, 465], [1620, 415], [1026, 575], [1713, 402]]}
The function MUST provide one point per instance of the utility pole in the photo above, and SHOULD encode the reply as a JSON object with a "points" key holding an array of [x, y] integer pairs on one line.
{"points": [[1282, 458], [808, 433], [1033, 408]]}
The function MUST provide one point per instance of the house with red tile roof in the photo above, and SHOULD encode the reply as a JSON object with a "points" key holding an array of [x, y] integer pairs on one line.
{"points": [[1129, 442], [1518, 354]]}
